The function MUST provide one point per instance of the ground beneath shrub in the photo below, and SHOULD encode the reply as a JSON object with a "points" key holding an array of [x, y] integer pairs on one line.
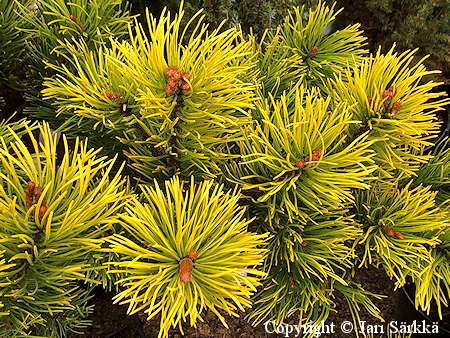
{"points": [[111, 321]]}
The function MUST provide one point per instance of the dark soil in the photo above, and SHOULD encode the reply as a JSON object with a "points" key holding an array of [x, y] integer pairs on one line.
{"points": [[14, 102], [434, 316], [430, 317]]}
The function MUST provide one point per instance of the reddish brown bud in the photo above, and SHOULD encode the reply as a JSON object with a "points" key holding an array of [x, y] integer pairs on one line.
{"points": [[113, 96], [304, 244], [81, 26], [29, 194], [392, 90], [386, 94], [42, 211], [185, 76], [172, 87], [370, 99], [177, 80], [291, 282], [300, 163], [388, 231], [172, 83], [396, 106], [186, 266], [37, 193], [177, 75], [312, 52], [399, 235], [316, 154], [193, 254], [387, 97], [30, 186], [185, 86], [170, 71], [74, 19], [170, 90]]}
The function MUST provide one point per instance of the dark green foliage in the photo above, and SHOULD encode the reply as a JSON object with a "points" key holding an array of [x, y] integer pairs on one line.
{"points": [[248, 15], [409, 24], [12, 41]]}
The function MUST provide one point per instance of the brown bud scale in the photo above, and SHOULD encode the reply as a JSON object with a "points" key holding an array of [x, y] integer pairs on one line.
{"points": [[397, 106], [193, 254], [388, 231], [399, 235], [316, 154], [300, 163], [291, 282], [42, 211], [29, 194], [37, 193], [186, 266], [177, 80], [113, 96], [313, 51]]}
